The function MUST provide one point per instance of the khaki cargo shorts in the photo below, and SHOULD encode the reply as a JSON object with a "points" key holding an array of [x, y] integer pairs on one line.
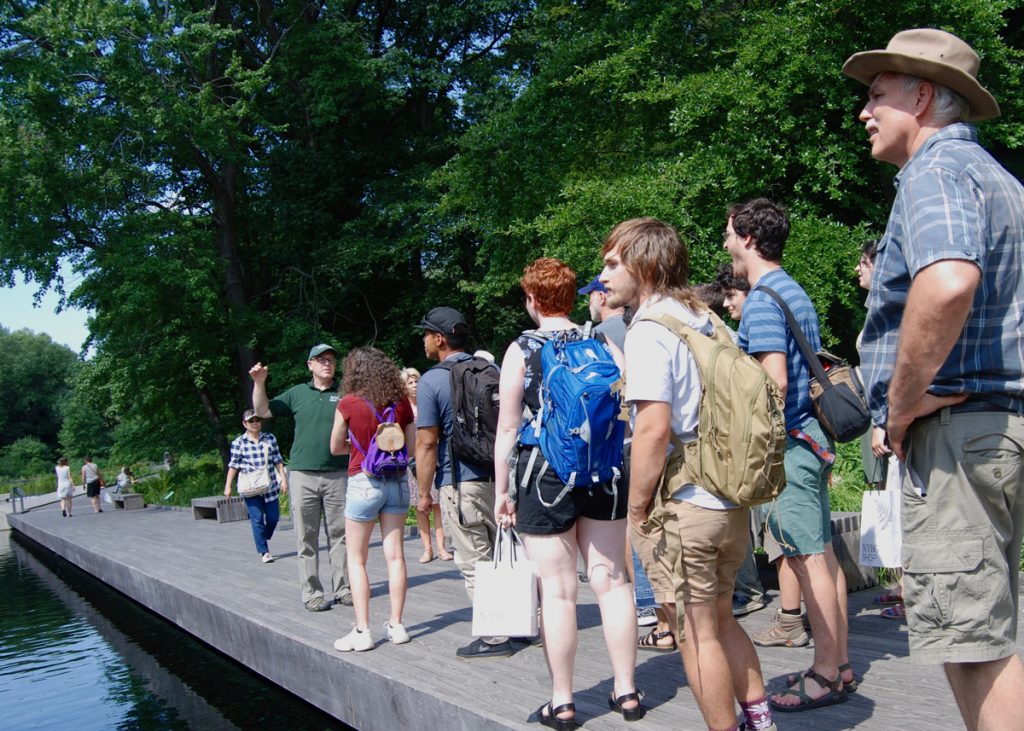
{"points": [[702, 550], [962, 536], [650, 549]]}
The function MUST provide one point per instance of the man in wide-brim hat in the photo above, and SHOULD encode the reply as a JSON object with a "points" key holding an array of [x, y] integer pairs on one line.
{"points": [[941, 355]]}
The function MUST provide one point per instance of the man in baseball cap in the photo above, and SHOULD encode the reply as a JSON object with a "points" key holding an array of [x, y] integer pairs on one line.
{"points": [[610, 319], [941, 361], [317, 479]]}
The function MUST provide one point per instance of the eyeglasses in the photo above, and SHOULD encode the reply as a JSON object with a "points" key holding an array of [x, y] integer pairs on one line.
{"points": [[325, 361], [254, 420]]}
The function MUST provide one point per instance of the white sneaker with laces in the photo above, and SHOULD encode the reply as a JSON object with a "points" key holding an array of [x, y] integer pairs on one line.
{"points": [[358, 640], [267, 558], [396, 633]]}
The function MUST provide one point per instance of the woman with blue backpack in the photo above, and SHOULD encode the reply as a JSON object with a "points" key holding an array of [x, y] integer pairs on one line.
{"points": [[374, 425], [558, 482]]}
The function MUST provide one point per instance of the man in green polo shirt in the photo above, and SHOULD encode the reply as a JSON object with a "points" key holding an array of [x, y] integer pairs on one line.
{"points": [[317, 479]]}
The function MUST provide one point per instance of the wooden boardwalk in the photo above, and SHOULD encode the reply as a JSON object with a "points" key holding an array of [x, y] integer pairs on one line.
{"points": [[207, 579]]}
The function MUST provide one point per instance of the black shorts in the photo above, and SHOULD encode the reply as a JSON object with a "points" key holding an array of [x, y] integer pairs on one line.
{"points": [[92, 489], [603, 501]]}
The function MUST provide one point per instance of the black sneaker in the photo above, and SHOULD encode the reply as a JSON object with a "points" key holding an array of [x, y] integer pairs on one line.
{"points": [[480, 649]]}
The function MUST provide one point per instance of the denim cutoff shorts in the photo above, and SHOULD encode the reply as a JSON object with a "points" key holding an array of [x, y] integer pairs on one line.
{"points": [[367, 497]]}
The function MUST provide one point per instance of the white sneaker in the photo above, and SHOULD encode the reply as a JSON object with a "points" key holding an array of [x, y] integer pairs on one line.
{"points": [[357, 640], [646, 617], [267, 558], [396, 633]]}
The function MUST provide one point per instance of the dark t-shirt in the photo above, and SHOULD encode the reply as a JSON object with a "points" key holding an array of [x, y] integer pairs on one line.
{"points": [[313, 410], [362, 423], [434, 408]]}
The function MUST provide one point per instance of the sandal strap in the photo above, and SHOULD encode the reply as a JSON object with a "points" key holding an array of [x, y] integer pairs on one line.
{"points": [[833, 685], [564, 708], [627, 697]]}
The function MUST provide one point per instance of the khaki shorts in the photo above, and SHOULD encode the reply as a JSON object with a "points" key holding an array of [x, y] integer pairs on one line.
{"points": [[704, 549], [651, 556], [962, 537]]}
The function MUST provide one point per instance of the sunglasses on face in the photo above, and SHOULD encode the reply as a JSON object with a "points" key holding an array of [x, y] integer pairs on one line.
{"points": [[325, 361]]}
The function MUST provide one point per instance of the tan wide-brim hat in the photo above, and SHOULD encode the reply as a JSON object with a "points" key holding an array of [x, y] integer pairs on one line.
{"points": [[933, 55]]}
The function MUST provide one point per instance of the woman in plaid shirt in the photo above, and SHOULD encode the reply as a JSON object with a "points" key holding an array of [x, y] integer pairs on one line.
{"points": [[250, 452]]}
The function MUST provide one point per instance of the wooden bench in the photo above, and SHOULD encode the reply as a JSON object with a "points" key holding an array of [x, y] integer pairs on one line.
{"points": [[128, 501], [219, 508]]}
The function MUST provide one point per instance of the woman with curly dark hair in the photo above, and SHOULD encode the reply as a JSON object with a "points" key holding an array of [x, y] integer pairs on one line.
{"points": [[374, 395]]}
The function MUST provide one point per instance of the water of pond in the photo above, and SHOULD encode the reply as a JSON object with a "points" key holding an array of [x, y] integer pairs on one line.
{"points": [[75, 654]]}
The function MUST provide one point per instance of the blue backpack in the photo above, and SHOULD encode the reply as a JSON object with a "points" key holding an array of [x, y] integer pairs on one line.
{"points": [[581, 424]]}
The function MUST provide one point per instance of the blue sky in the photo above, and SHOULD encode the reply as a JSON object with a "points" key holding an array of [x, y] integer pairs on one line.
{"points": [[17, 312]]}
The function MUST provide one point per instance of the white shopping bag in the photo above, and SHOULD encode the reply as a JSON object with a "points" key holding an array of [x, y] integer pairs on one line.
{"points": [[881, 539], [107, 496], [505, 592]]}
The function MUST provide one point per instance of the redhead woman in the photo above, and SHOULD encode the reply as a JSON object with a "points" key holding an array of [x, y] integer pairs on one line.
{"points": [[373, 392], [590, 521]]}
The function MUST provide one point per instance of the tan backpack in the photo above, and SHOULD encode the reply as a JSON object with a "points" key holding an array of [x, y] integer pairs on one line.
{"points": [[741, 436]]}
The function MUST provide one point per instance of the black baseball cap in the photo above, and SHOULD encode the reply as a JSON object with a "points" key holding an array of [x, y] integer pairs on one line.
{"points": [[444, 320]]}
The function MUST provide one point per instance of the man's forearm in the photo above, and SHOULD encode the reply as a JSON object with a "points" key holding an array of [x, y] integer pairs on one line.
{"points": [[260, 402], [645, 467], [426, 467]]}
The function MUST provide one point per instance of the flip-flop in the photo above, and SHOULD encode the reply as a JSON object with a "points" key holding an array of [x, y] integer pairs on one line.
{"points": [[896, 611], [650, 641], [836, 694], [884, 600]]}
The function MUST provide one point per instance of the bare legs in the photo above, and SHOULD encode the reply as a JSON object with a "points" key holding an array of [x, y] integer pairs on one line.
{"points": [[989, 693], [821, 579], [359, 533], [602, 544], [423, 524], [721, 664]]}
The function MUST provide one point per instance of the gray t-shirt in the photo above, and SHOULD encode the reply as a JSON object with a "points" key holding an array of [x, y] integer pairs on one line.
{"points": [[614, 329], [434, 408]]}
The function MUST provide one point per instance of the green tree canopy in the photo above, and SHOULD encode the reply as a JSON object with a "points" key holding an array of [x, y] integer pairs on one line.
{"points": [[34, 376]]}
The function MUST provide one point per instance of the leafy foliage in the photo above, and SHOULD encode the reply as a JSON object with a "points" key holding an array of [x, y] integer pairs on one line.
{"points": [[34, 375], [232, 182], [26, 457]]}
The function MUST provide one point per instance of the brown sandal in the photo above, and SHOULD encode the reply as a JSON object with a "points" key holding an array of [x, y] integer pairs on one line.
{"points": [[650, 641]]}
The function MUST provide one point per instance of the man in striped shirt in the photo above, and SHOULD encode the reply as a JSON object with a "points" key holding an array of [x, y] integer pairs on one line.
{"points": [[942, 357]]}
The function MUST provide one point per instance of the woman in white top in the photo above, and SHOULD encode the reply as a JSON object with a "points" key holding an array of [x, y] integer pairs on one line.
{"points": [[125, 479], [65, 486], [93, 479]]}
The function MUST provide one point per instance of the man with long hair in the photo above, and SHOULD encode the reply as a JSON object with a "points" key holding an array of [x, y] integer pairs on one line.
{"points": [[705, 539]]}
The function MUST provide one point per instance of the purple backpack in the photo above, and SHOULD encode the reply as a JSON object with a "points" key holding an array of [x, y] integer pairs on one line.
{"points": [[386, 455]]}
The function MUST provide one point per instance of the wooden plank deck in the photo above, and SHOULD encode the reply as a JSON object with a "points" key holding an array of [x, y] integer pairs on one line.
{"points": [[206, 578]]}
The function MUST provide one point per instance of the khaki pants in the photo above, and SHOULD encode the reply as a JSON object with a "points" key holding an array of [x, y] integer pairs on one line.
{"points": [[314, 494], [469, 521]]}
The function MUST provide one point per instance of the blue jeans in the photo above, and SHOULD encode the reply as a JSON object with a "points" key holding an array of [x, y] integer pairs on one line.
{"points": [[643, 592], [263, 514]]}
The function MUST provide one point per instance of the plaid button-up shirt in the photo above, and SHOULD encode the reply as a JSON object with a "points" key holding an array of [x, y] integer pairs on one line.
{"points": [[247, 456], [953, 201]]}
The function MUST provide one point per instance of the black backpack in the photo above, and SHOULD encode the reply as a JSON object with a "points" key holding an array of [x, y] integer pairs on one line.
{"points": [[474, 383]]}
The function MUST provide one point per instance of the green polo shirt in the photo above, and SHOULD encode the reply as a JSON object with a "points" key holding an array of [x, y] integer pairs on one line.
{"points": [[313, 410]]}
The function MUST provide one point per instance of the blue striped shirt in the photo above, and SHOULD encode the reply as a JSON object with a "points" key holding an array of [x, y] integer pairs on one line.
{"points": [[247, 456], [763, 329], [953, 201]]}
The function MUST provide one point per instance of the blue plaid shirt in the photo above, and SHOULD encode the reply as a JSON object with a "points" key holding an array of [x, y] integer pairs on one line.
{"points": [[763, 329], [953, 201], [247, 456]]}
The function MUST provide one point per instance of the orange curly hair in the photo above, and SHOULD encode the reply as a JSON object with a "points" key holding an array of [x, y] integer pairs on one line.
{"points": [[552, 284]]}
